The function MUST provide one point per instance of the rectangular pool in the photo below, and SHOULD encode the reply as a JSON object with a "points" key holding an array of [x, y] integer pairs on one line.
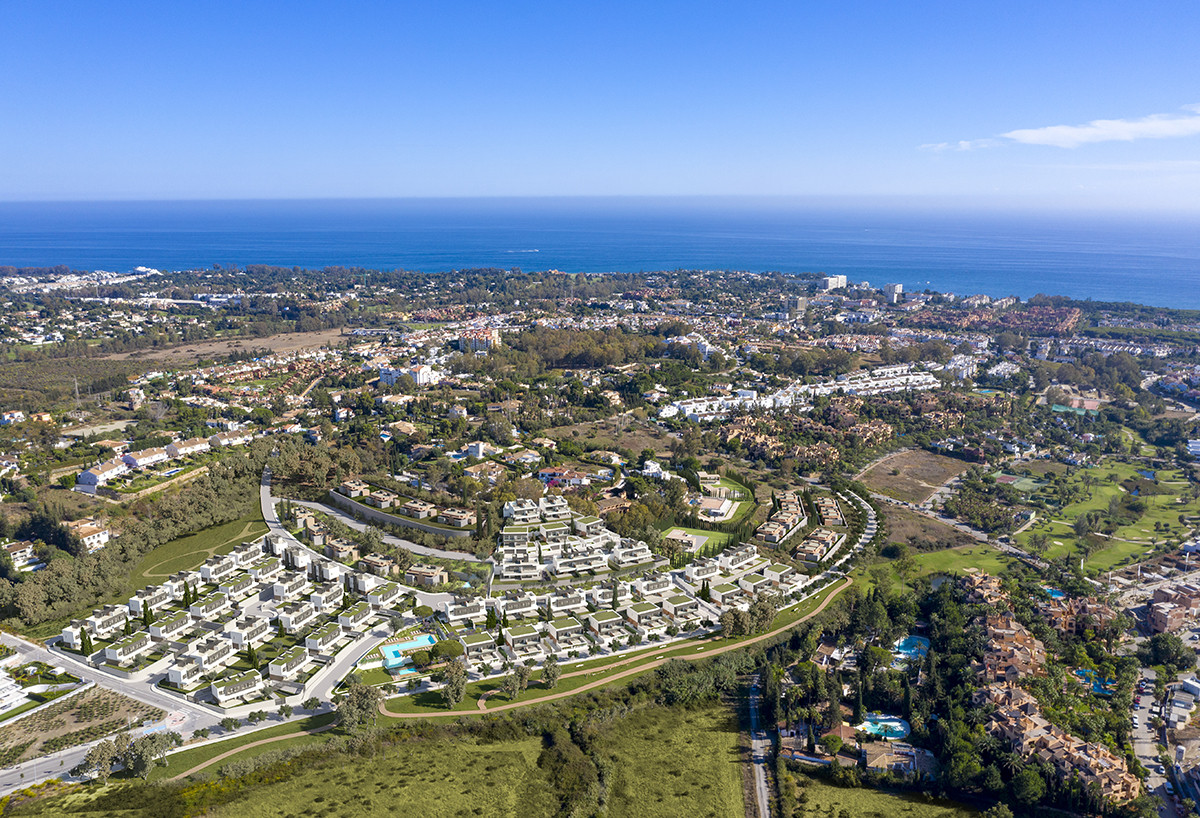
{"points": [[393, 655]]}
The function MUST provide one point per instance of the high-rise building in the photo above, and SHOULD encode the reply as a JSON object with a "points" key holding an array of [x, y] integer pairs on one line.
{"points": [[837, 282], [894, 293]]}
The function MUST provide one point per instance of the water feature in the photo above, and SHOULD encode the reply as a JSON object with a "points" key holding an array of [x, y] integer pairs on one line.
{"points": [[393, 655], [884, 726], [911, 647]]}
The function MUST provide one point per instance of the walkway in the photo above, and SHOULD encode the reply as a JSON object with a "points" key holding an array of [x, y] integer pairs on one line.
{"points": [[251, 745]]}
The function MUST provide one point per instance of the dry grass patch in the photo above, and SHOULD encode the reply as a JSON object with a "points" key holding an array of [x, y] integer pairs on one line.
{"points": [[912, 476]]}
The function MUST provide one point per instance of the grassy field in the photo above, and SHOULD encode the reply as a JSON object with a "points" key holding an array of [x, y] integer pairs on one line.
{"points": [[913, 475], [947, 561], [716, 539], [438, 779], [187, 552], [981, 556], [1130, 543], [670, 763], [826, 799], [184, 760], [903, 524]]}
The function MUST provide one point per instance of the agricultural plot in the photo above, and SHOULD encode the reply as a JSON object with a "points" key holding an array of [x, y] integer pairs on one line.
{"points": [[912, 476], [90, 715]]}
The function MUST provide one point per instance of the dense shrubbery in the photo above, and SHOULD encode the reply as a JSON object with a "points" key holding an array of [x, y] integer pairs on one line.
{"points": [[228, 491]]}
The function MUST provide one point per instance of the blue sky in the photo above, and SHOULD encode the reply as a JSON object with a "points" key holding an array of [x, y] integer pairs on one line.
{"points": [[1065, 104]]}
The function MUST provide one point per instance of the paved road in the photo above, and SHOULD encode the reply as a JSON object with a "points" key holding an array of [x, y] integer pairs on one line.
{"points": [[182, 716], [268, 511], [1144, 746], [760, 747]]}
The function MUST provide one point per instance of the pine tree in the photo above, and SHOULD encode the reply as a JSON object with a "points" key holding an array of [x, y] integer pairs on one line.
{"points": [[85, 642], [147, 617], [705, 591]]}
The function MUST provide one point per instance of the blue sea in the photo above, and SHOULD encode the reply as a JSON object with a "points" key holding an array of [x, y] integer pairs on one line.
{"points": [[1101, 257]]}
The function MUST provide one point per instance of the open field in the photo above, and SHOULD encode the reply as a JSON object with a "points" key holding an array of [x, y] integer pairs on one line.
{"points": [[861, 802], [902, 525], [913, 475], [282, 343], [931, 563], [669, 763], [187, 552], [1159, 524], [57, 375], [981, 556], [438, 779], [622, 431], [185, 760], [89, 715]]}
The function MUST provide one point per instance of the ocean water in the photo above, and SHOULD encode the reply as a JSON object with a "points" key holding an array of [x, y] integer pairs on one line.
{"points": [[1101, 257]]}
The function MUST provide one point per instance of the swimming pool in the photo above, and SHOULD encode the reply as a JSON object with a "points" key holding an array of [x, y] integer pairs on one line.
{"points": [[911, 647], [883, 726], [1099, 686], [1053, 592], [393, 655]]}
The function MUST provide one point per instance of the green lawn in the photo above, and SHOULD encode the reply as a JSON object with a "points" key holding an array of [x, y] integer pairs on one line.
{"points": [[1162, 509], [861, 802], [947, 561], [716, 539], [670, 763], [188, 552], [186, 759], [437, 779]]}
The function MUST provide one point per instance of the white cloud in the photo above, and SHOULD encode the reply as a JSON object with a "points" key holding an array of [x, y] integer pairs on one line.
{"points": [[1155, 126]]}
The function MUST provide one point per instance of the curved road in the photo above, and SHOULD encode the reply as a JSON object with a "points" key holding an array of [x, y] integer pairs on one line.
{"points": [[267, 502]]}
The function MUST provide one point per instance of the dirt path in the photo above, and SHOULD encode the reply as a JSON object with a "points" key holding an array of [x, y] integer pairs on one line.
{"points": [[608, 678], [211, 551], [258, 743]]}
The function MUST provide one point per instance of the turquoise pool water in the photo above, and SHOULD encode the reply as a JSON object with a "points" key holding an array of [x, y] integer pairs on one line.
{"points": [[911, 647], [1053, 592], [884, 726], [1099, 686], [393, 655]]}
